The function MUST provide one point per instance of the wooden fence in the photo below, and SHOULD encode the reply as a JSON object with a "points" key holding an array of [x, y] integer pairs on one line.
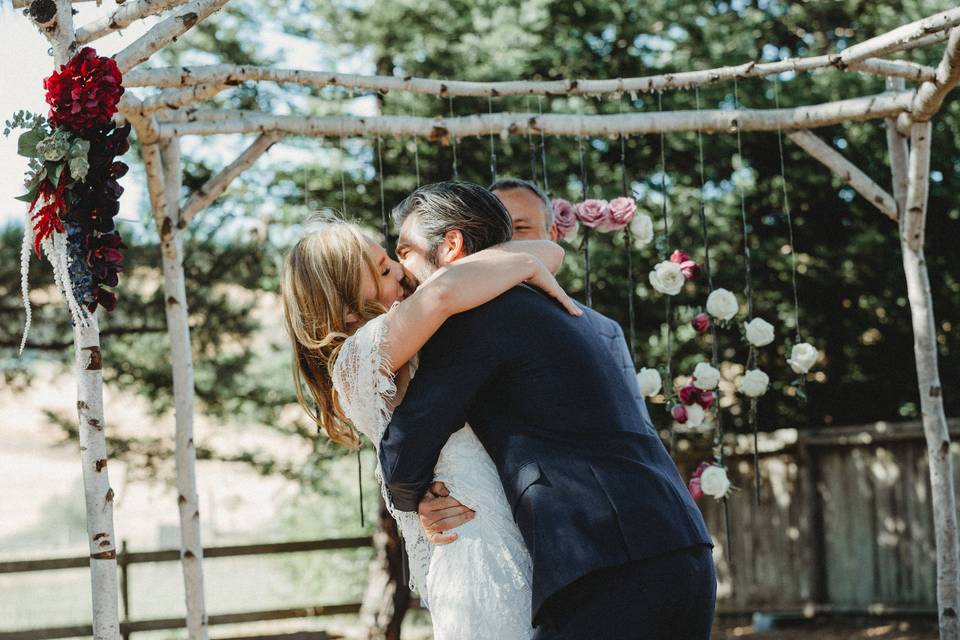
{"points": [[126, 558], [844, 522]]}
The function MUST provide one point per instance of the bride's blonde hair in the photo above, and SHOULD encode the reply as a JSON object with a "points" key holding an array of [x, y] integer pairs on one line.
{"points": [[321, 284]]}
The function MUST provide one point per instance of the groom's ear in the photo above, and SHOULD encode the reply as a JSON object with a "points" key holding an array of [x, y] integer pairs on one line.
{"points": [[453, 247]]}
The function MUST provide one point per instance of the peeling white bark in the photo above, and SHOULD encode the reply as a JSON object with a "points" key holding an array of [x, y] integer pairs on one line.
{"points": [[225, 74], [181, 359], [175, 98], [165, 32], [217, 184], [930, 95], [928, 378], [124, 15], [847, 171], [213, 122], [901, 37]]}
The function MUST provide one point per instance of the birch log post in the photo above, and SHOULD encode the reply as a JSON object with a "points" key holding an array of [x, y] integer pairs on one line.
{"points": [[181, 358], [124, 15], [912, 227], [98, 496]]}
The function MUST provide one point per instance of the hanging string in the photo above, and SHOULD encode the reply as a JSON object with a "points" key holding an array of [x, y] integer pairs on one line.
{"points": [[752, 354], [493, 144], [416, 152], [585, 246], [668, 309], [543, 149], [306, 190], [793, 253], [533, 149], [343, 177], [453, 142], [383, 203], [363, 523], [628, 248], [715, 350]]}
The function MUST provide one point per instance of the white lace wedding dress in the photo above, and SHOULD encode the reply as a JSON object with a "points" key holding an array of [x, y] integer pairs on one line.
{"points": [[478, 587]]}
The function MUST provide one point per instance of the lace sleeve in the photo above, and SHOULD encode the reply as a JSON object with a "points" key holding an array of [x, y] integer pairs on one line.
{"points": [[365, 387]]}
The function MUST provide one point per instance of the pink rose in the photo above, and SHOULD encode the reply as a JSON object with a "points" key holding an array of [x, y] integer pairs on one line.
{"points": [[593, 213], [689, 394], [695, 489], [705, 399], [701, 321], [679, 413], [565, 217], [621, 212], [689, 268]]}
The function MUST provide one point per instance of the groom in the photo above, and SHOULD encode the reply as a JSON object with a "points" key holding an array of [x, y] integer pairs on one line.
{"points": [[619, 549]]}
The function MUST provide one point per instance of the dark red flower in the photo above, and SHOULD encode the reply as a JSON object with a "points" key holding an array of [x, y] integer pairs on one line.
{"points": [[689, 394], [705, 399], [679, 413], [84, 94], [700, 322], [679, 256]]}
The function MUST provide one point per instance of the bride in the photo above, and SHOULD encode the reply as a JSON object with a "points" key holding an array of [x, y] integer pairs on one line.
{"points": [[355, 334]]}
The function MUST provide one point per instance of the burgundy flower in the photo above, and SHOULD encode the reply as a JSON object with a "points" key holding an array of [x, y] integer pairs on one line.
{"points": [[694, 486], [705, 399], [679, 413], [620, 214], [565, 217], [701, 322], [84, 94], [593, 213], [689, 394], [689, 268]]}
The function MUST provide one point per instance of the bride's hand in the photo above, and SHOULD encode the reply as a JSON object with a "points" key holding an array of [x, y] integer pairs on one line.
{"points": [[547, 282]]}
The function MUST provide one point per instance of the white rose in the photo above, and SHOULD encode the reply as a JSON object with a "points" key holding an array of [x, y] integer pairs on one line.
{"points": [[722, 304], [667, 278], [642, 229], [705, 377], [759, 332], [754, 383], [714, 481], [649, 381], [695, 415], [802, 357]]}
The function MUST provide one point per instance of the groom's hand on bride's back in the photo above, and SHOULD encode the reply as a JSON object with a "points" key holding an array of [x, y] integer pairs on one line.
{"points": [[439, 513]]}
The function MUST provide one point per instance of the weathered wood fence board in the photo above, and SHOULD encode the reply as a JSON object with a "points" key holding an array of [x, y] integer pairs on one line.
{"points": [[844, 521]]}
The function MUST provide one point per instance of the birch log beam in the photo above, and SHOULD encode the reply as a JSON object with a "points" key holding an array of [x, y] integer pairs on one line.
{"points": [[215, 186], [901, 37], [931, 94], [847, 171], [20, 4], [181, 358], [176, 98], [165, 32], [226, 74], [124, 15], [928, 378], [213, 121]]}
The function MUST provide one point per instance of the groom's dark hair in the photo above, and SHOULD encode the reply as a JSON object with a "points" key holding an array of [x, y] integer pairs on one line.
{"points": [[467, 207]]}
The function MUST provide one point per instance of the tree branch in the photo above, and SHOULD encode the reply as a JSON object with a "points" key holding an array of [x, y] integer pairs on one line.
{"points": [[213, 122], [216, 185], [165, 32], [847, 171], [124, 15], [900, 37], [174, 98]]}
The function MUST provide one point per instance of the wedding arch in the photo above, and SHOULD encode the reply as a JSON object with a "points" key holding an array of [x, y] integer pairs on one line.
{"points": [[168, 105]]}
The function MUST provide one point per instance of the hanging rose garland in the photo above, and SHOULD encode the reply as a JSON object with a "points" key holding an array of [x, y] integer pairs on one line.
{"points": [[71, 183]]}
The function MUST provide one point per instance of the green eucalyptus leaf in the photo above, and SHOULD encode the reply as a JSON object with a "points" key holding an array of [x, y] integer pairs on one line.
{"points": [[27, 142]]}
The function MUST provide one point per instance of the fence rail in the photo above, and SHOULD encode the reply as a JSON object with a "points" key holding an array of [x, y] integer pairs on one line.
{"points": [[127, 558]]}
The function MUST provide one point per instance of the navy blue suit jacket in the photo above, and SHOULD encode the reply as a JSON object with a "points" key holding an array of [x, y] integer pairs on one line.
{"points": [[555, 401]]}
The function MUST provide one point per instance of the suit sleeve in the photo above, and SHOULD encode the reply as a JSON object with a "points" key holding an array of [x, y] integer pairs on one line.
{"points": [[454, 366]]}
